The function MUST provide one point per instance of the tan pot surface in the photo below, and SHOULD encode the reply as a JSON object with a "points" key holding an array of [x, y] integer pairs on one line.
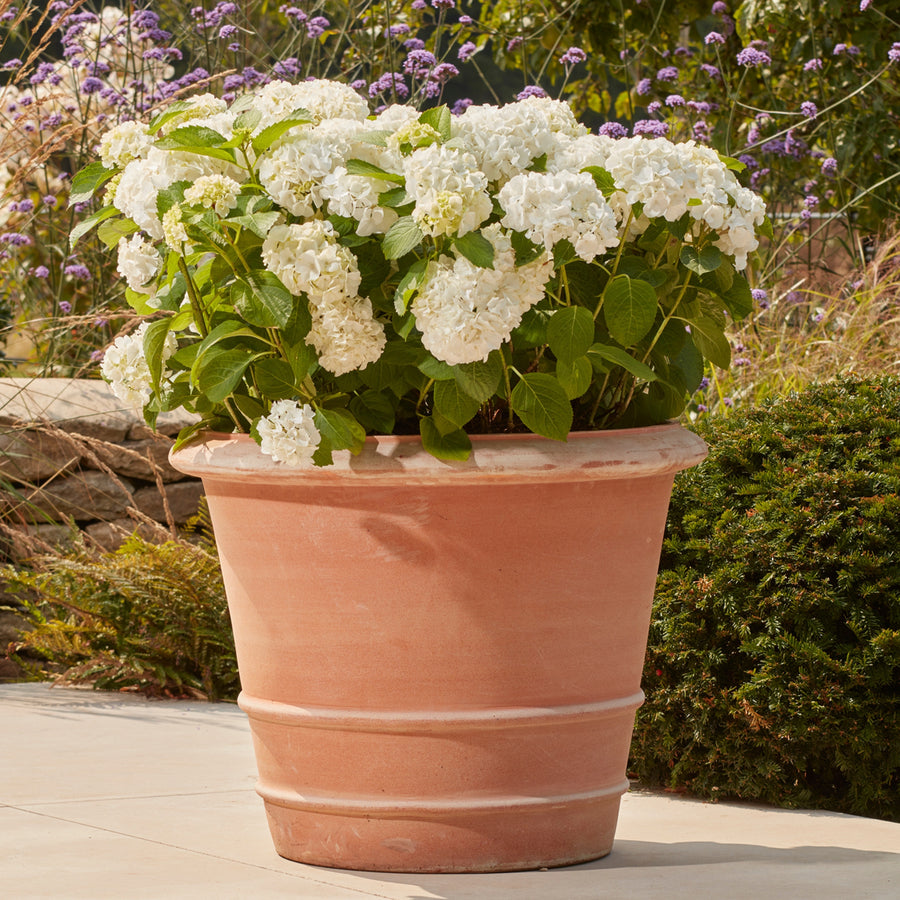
{"points": [[441, 662]]}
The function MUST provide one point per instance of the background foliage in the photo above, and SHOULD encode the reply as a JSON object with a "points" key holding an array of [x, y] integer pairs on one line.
{"points": [[773, 669]]}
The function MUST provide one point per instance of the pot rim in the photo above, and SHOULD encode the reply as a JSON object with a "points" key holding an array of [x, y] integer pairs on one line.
{"points": [[644, 452]]}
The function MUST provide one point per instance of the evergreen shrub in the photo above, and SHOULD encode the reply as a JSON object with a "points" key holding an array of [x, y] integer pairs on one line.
{"points": [[773, 667]]}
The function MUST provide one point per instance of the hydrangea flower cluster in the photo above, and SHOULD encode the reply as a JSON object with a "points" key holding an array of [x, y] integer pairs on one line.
{"points": [[316, 272]]}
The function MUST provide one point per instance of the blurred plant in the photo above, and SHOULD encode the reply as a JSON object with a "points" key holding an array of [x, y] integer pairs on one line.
{"points": [[798, 336], [147, 617], [804, 93]]}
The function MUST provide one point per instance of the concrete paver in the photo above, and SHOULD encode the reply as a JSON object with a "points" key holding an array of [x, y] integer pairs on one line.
{"points": [[114, 796]]}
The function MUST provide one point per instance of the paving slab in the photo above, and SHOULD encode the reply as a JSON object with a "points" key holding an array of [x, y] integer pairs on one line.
{"points": [[115, 796]]}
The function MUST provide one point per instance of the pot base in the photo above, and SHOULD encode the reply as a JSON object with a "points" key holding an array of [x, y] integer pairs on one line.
{"points": [[492, 842]]}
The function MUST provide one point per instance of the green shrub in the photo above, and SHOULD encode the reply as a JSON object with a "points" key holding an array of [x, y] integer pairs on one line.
{"points": [[773, 670], [147, 617]]}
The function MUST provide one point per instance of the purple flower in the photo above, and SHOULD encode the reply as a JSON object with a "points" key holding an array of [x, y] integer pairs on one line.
{"points": [[813, 65], [14, 239], [466, 20], [710, 71], [714, 37], [573, 56], [444, 72], [466, 51], [78, 271], [644, 86], [96, 355], [359, 84], [719, 8], [811, 202], [650, 127], [704, 383], [809, 109], [613, 130], [397, 30], [389, 82], [232, 82], [654, 107], [513, 44], [761, 297], [65, 307], [674, 100], [460, 106], [849, 49], [443, 4], [288, 68], [864, 5], [23, 206], [91, 85], [418, 63], [40, 272], [14, 63], [227, 31], [750, 57], [48, 200], [419, 4], [532, 90], [42, 73], [667, 73], [414, 44], [316, 26], [829, 166], [894, 52]]}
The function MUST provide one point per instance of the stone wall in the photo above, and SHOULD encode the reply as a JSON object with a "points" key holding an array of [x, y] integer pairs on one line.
{"points": [[71, 454]]}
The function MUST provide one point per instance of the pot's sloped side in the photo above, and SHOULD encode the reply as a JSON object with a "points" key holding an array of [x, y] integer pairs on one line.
{"points": [[441, 677]]}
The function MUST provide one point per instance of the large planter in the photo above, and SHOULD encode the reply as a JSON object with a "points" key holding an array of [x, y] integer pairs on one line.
{"points": [[441, 662]]}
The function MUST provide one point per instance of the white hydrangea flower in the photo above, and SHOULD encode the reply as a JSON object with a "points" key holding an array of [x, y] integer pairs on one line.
{"points": [[138, 262], [218, 192], [293, 170], [174, 232], [200, 107], [308, 258], [124, 143], [356, 197], [507, 139], [673, 179], [449, 189], [323, 99], [136, 193], [552, 207], [289, 434], [125, 367], [572, 155], [345, 333], [415, 134], [395, 117], [464, 312]]}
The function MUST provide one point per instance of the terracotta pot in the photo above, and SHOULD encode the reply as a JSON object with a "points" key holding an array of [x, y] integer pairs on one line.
{"points": [[441, 662]]}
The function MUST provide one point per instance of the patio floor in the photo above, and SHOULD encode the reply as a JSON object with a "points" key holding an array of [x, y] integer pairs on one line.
{"points": [[114, 796]]}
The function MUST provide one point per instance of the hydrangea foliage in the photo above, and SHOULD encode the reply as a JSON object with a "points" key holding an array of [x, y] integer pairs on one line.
{"points": [[314, 273]]}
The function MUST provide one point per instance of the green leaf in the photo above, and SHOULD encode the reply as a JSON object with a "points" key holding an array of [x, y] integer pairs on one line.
{"points": [[575, 376], [301, 358], [340, 429], [526, 250], [395, 198], [563, 254], [85, 225], [272, 133], [402, 237], [361, 167], [738, 298], [476, 248], [710, 340], [706, 260], [250, 408], [219, 371], [452, 446], [374, 411], [619, 357], [480, 380], [731, 163], [605, 182], [274, 378], [262, 300], [629, 309], [191, 136], [87, 181], [439, 119], [170, 112], [110, 233], [570, 332], [541, 403], [437, 369], [154, 342], [454, 404], [259, 223]]}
